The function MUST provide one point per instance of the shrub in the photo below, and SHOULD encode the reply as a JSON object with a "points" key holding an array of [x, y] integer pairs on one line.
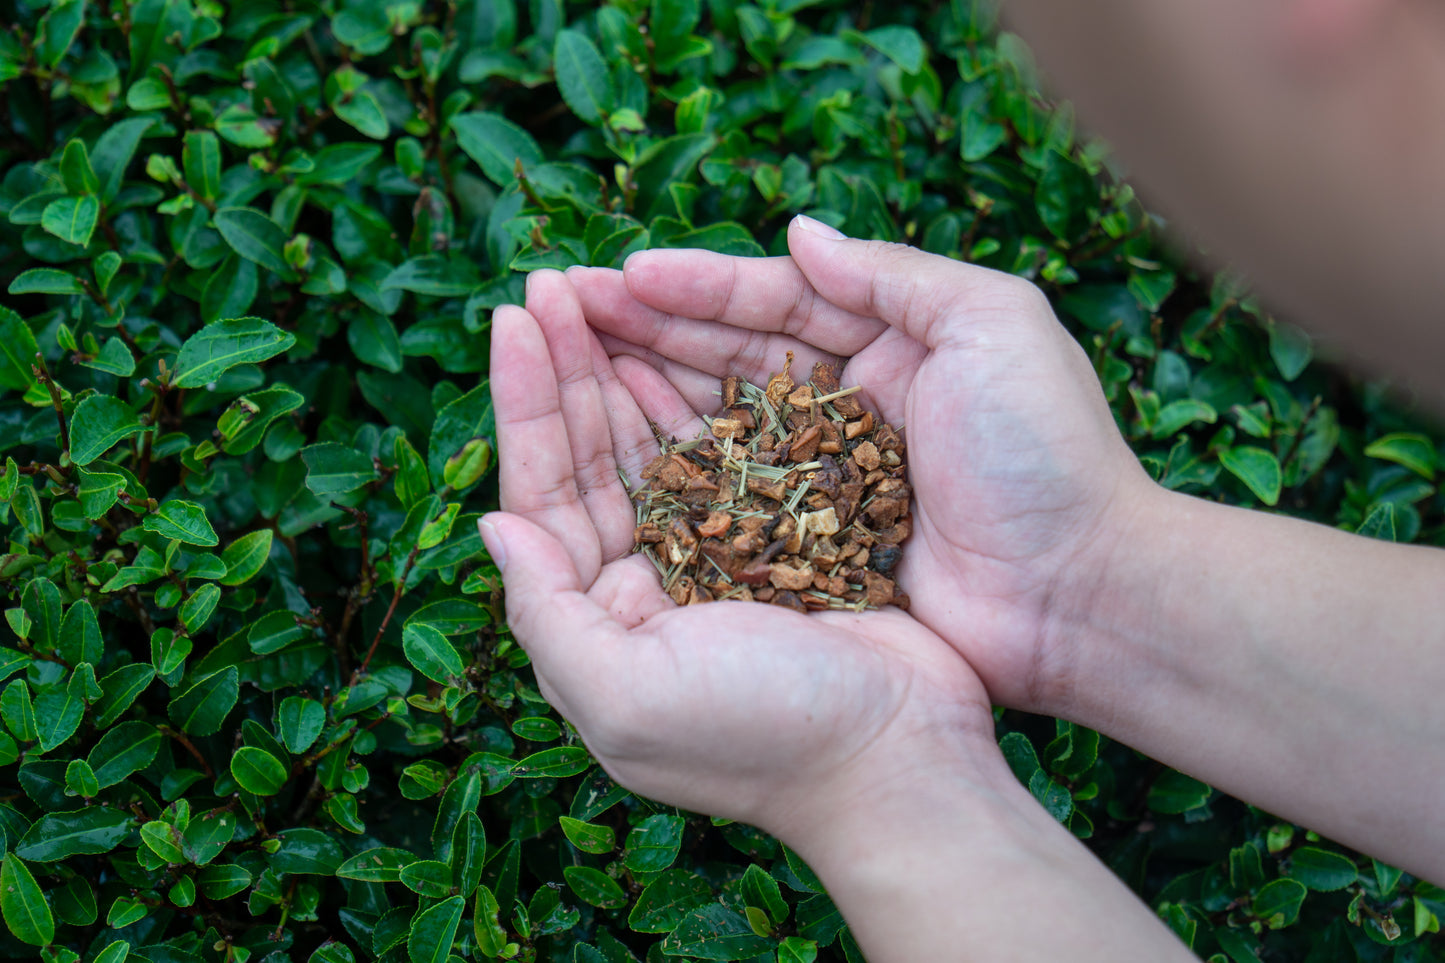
{"points": [[259, 700]]}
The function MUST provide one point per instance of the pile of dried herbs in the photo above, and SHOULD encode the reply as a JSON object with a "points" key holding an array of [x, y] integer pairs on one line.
{"points": [[796, 497]]}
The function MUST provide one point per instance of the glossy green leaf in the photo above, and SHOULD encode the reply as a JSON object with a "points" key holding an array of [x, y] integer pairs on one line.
{"points": [[72, 219], [582, 76], [46, 281], [22, 903], [201, 161], [427, 877], [557, 763], [219, 347], [59, 836], [254, 236], [99, 423], [1322, 870], [714, 932], [17, 351], [595, 887], [196, 611], [300, 721], [1257, 468], [653, 844], [124, 749], [1278, 902], [1414, 451], [221, 882], [201, 708], [257, 771], [431, 653], [333, 469], [588, 837], [246, 556], [379, 865], [1174, 792], [489, 934], [667, 900], [433, 930], [496, 144]]}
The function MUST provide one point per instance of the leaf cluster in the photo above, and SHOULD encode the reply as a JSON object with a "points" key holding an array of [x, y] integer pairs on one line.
{"points": [[258, 700]]}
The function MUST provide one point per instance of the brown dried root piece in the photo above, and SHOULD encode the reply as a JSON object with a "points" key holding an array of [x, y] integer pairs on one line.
{"points": [[795, 496]]}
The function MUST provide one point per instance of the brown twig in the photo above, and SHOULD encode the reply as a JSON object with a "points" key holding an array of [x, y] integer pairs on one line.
{"points": [[189, 747]]}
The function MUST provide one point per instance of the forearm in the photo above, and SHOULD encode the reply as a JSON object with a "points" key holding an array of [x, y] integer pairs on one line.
{"points": [[962, 867], [1295, 666]]}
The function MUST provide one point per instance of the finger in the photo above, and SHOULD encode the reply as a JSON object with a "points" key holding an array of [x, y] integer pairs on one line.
{"points": [[572, 641], [715, 347], [553, 302], [633, 443], [668, 410], [702, 391], [535, 472], [912, 290]]}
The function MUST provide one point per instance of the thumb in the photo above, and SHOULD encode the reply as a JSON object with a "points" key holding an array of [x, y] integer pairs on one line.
{"points": [[922, 294], [569, 637]]}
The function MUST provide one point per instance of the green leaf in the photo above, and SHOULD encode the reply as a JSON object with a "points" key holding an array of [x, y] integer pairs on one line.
{"points": [[219, 347], [46, 281], [1321, 870], [333, 469], [1278, 902], [667, 900], [254, 236], [433, 931], [761, 890], [308, 851], [558, 762], [244, 423], [230, 289], [715, 932], [88, 831], [116, 952], [121, 689], [427, 877], [431, 653], [162, 839], [1290, 348], [98, 424], [98, 491], [18, 711], [469, 853], [1179, 414], [72, 219], [490, 936], [114, 358], [182, 520], [246, 556], [582, 77], [222, 882], [373, 340], [588, 837], [80, 780], [127, 748], [380, 865], [196, 611], [1380, 523], [58, 712], [468, 417], [202, 708], [654, 843], [1257, 468], [201, 161], [1416, 452], [595, 887], [900, 44], [274, 631], [57, 32], [23, 905], [363, 111], [257, 771], [1174, 792], [300, 721], [17, 351], [496, 144]]}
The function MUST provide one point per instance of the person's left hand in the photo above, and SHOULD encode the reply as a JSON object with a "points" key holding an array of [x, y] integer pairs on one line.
{"points": [[738, 709]]}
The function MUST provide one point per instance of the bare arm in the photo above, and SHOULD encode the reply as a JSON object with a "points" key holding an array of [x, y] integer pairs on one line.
{"points": [[1297, 140], [1296, 666]]}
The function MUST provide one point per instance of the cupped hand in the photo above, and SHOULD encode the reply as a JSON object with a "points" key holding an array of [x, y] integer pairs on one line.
{"points": [[738, 709], [1022, 483]]}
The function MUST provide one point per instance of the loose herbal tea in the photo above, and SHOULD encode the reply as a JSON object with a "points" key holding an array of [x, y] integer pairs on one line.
{"points": [[795, 496]]}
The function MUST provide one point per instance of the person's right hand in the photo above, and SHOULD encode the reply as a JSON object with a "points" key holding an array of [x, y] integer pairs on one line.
{"points": [[1023, 485]]}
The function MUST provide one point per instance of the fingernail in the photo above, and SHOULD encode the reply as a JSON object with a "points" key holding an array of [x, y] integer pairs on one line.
{"points": [[813, 226], [527, 284], [495, 546]]}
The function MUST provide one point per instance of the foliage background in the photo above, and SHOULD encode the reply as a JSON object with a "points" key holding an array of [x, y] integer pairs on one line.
{"points": [[258, 699]]}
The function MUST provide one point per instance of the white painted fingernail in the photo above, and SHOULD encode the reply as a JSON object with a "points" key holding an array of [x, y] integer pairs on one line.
{"points": [[813, 226]]}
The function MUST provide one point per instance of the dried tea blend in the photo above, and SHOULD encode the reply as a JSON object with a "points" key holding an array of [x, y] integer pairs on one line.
{"points": [[796, 496]]}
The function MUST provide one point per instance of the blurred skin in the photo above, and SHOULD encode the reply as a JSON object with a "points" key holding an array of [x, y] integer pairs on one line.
{"points": [[1047, 571], [1299, 140]]}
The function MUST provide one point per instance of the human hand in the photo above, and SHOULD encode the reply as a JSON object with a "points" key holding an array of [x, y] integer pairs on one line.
{"points": [[738, 709], [1022, 483]]}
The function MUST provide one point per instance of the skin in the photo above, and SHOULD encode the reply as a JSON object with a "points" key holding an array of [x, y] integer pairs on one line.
{"points": [[1047, 572]]}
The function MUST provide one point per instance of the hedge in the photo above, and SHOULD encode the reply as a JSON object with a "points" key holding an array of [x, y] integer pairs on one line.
{"points": [[259, 700]]}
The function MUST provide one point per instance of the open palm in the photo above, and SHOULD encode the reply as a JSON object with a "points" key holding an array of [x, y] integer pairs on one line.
{"points": [[1016, 464], [739, 709]]}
